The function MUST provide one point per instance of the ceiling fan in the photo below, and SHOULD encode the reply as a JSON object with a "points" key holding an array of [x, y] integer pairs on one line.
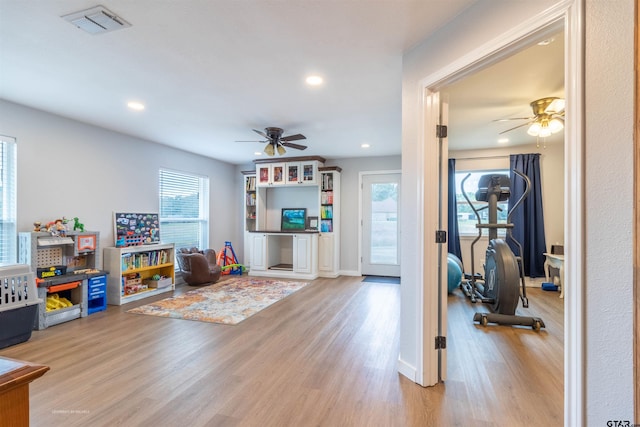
{"points": [[276, 142], [548, 117]]}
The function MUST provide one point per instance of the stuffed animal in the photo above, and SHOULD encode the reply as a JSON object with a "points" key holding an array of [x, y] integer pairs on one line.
{"points": [[77, 225]]}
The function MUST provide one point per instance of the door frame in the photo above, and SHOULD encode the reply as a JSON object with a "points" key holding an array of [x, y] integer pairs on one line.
{"points": [[567, 15], [360, 216]]}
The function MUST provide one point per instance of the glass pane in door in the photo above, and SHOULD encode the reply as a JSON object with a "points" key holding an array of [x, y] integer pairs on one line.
{"points": [[384, 223]]}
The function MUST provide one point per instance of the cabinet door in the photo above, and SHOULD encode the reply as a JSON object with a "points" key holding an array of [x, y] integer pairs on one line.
{"points": [[302, 253], [259, 252], [294, 173], [325, 256], [263, 174], [278, 174], [309, 172]]}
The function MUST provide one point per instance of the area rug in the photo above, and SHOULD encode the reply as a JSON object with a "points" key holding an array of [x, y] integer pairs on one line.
{"points": [[228, 302], [382, 279]]}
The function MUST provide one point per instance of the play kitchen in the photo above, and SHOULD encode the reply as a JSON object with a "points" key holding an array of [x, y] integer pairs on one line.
{"points": [[68, 283]]}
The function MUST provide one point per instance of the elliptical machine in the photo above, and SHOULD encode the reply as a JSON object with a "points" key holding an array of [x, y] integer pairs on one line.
{"points": [[504, 272]]}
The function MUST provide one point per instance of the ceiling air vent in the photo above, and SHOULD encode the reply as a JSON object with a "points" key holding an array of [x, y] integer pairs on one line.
{"points": [[96, 20]]}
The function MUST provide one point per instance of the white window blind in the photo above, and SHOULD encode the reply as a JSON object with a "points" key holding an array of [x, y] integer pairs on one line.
{"points": [[184, 209], [8, 234]]}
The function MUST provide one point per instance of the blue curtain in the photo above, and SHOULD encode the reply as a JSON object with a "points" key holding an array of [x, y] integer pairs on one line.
{"points": [[528, 219], [452, 223]]}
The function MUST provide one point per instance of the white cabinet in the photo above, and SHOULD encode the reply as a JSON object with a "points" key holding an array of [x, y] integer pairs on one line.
{"points": [[326, 263], [304, 253], [258, 252], [131, 268], [287, 173], [284, 255], [329, 240], [270, 174]]}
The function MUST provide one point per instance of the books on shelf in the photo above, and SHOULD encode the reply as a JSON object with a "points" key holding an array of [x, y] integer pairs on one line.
{"points": [[326, 198], [327, 181], [132, 261], [326, 225], [250, 184], [326, 212], [251, 199]]}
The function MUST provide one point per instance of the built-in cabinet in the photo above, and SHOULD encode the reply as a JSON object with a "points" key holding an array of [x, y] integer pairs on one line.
{"points": [[131, 271], [250, 214], [278, 254], [329, 239], [294, 172], [302, 182]]}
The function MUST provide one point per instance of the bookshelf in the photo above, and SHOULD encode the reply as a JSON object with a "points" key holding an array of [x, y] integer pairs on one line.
{"points": [[329, 239], [131, 269]]}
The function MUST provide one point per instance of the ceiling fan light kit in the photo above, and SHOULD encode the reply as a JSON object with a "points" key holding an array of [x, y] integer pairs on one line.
{"points": [[548, 117]]}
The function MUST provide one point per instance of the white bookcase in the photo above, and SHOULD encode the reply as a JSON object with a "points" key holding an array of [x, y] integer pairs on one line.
{"points": [[329, 222], [127, 265]]}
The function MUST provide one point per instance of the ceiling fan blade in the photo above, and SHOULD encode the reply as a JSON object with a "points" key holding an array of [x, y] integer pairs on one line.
{"points": [[513, 118], [295, 137], [259, 132], [296, 146], [519, 126], [252, 141]]}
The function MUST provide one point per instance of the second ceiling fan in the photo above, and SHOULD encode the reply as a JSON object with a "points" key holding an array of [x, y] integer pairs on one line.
{"points": [[276, 142], [548, 117]]}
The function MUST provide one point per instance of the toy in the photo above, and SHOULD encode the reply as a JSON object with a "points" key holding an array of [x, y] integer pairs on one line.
{"points": [[37, 225], [61, 228], [228, 261], [77, 225]]}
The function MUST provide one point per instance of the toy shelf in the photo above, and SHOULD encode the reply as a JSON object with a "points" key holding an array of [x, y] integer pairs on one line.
{"points": [[157, 259]]}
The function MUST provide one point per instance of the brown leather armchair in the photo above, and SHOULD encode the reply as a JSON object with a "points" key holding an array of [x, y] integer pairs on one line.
{"points": [[198, 267]]}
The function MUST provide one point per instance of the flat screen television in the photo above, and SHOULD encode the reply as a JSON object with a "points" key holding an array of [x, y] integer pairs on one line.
{"points": [[293, 219]]}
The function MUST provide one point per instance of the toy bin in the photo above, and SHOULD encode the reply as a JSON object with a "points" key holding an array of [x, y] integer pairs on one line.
{"points": [[18, 304]]}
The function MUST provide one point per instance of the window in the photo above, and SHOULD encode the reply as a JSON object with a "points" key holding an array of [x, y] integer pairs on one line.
{"points": [[466, 217], [8, 235], [184, 209]]}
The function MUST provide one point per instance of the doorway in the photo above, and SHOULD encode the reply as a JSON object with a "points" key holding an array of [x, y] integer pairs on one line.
{"points": [[380, 230]]}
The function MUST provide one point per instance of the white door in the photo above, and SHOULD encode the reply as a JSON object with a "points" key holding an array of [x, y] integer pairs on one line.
{"points": [[434, 311], [380, 224]]}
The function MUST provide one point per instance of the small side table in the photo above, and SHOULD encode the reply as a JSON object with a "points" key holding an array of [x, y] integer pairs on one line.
{"points": [[15, 377], [555, 261]]}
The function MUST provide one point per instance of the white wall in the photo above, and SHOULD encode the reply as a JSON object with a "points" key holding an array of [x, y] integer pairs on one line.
{"points": [[552, 172], [608, 145], [609, 106], [67, 168]]}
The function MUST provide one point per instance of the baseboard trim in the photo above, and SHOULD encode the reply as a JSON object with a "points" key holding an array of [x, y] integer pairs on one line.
{"points": [[406, 370], [349, 273]]}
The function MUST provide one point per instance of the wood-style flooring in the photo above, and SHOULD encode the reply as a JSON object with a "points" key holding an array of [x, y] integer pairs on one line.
{"points": [[324, 356]]}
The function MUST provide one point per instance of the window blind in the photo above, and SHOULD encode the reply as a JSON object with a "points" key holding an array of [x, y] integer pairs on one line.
{"points": [[184, 218], [8, 228]]}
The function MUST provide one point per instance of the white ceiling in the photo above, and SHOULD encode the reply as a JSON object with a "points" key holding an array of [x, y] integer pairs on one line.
{"points": [[210, 71]]}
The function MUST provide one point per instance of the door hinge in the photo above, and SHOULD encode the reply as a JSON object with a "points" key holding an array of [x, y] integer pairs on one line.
{"points": [[441, 131], [441, 343], [441, 236]]}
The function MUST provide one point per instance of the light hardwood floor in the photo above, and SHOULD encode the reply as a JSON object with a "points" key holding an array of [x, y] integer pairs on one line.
{"points": [[324, 356]]}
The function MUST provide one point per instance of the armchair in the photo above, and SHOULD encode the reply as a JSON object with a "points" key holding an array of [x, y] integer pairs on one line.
{"points": [[198, 267]]}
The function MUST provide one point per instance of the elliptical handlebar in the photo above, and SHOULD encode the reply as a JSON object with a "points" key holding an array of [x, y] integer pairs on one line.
{"points": [[527, 190]]}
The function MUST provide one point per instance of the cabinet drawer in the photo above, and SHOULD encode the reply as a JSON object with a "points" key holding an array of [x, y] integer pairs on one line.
{"points": [[97, 282], [97, 294]]}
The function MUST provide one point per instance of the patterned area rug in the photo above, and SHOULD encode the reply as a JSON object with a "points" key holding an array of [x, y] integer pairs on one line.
{"points": [[228, 302]]}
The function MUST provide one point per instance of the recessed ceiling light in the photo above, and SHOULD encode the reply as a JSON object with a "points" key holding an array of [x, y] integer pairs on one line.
{"points": [[258, 153], [314, 80], [546, 42], [503, 140], [134, 105], [365, 145]]}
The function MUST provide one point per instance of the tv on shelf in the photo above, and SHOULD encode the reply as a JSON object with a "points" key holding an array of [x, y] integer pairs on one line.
{"points": [[293, 219]]}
